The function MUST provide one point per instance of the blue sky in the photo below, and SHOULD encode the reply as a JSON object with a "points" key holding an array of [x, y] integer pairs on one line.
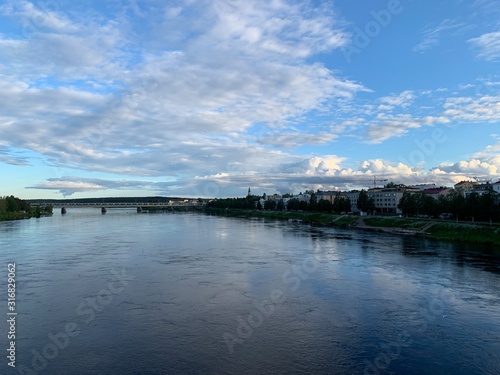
{"points": [[206, 98]]}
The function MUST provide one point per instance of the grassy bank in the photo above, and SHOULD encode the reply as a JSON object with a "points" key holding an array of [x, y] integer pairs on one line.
{"points": [[443, 230], [392, 222], [5, 216], [305, 217], [466, 232]]}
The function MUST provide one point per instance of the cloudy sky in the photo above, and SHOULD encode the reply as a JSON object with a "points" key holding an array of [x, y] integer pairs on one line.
{"points": [[208, 97]]}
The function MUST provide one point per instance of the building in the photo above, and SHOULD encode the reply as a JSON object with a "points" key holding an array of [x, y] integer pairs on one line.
{"points": [[423, 186], [353, 197], [465, 186], [480, 189], [496, 187], [326, 195], [437, 192], [387, 199]]}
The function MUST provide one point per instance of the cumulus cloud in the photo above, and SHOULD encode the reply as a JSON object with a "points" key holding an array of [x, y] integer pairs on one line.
{"points": [[89, 93], [484, 164]]}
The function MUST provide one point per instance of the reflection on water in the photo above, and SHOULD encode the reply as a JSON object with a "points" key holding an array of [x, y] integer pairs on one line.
{"points": [[194, 294]]}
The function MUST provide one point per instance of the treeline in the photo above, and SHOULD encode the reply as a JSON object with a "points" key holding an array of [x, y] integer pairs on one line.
{"points": [[341, 204], [242, 203], [12, 208], [485, 207]]}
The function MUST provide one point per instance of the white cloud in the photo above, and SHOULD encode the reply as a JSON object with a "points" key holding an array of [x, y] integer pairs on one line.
{"points": [[39, 18], [387, 126], [68, 187], [404, 100], [487, 46], [485, 108], [295, 139], [433, 35], [173, 112], [484, 164], [186, 96]]}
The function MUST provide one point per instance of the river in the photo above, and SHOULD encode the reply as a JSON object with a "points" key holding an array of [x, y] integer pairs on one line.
{"points": [[186, 293]]}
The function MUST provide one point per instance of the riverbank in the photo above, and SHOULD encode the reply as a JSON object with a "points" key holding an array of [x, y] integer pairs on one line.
{"points": [[441, 230], [9, 216], [317, 218]]}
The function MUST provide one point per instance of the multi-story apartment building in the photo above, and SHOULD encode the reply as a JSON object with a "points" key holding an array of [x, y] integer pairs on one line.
{"points": [[326, 195], [353, 197], [465, 186], [387, 199]]}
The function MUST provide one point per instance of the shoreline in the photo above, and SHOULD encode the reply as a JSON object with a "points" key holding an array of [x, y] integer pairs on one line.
{"points": [[13, 216], [433, 229]]}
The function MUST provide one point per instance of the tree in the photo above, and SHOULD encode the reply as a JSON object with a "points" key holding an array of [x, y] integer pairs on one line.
{"points": [[390, 185], [325, 205], [341, 204], [365, 203], [280, 206], [428, 205], [408, 204], [472, 206], [457, 204], [269, 205], [293, 204], [303, 206], [11, 204], [487, 206], [312, 202]]}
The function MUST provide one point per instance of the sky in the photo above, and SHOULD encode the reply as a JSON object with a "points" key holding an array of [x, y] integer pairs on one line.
{"points": [[205, 98]]}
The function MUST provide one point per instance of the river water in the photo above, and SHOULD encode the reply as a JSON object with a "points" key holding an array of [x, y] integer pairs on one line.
{"points": [[128, 293]]}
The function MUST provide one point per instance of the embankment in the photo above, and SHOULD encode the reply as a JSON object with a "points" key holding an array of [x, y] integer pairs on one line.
{"points": [[437, 229]]}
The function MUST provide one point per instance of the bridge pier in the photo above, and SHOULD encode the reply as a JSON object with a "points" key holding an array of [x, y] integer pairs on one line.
{"points": [[63, 210], [139, 210], [103, 210]]}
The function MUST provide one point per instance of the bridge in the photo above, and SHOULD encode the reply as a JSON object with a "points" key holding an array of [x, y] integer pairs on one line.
{"points": [[140, 206]]}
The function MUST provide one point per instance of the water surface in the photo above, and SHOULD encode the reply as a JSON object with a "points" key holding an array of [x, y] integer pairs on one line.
{"points": [[213, 295]]}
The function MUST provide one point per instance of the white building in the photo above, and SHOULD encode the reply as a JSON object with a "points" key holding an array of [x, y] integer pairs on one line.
{"points": [[387, 199], [353, 197]]}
